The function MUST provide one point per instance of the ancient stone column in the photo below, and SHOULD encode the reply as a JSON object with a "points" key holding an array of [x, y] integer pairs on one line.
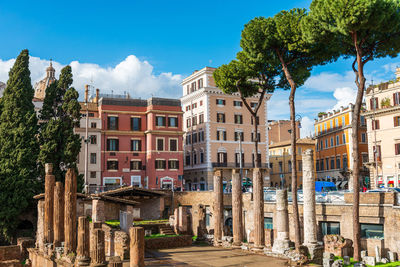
{"points": [[258, 207], [48, 203], [218, 208], [176, 220], [310, 224], [98, 210], [183, 222], [93, 227], [82, 251], [70, 211], [58, 216], [309, 215], [99, 255], [136, 246], [282, 242], [40, 226], [201, 228], [237, 209]]}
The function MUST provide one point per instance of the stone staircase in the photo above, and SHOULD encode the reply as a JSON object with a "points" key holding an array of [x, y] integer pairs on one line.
{"points": [[166, 229]]}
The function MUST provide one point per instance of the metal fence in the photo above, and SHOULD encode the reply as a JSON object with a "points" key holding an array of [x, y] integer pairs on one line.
{"points": [[326, 197]]}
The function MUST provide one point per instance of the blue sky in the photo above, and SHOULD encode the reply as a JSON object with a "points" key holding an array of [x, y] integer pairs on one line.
{"points": [[134, 45]]}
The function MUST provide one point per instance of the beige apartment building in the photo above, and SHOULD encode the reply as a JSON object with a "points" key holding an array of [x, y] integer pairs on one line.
{"points": [[214, 123], [383, 126]]}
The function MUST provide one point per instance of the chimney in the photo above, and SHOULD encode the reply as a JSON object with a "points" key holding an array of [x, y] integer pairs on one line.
{"points": [[86, 92], [97, 95]]}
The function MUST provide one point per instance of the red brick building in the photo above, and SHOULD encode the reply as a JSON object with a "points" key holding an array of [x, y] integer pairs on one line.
{"points": [[141, 142]]}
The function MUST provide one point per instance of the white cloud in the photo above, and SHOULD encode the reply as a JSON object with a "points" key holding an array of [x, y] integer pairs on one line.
{"points": [[328, 82], [344, 97], [130, 75], [307, 127]]}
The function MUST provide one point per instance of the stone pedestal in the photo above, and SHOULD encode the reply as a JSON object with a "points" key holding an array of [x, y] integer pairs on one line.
{"points": [[98, 257], [125, 220], [237, 221], [70, 212], [40, 226], [218, 208], [82, 251], [98, 210], [114, 261], [136, 247], [49, 204], [258, 207], [58, 215], [310, 222], [282, 242]]}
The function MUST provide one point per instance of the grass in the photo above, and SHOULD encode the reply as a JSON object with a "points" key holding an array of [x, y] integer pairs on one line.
{"points": [[396, 263], [158, 236], [150, 222], [113, 223]]}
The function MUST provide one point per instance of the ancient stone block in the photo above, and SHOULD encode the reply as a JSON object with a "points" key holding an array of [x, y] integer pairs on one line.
{"points": [[369, 260], [346, 260], [125, 220], [327, 262], [392, 256], [121, 244], [377, 254], [337, 245], [136, 246], [363, 253]]}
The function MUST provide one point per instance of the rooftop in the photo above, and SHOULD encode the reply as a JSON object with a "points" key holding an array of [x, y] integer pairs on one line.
{"points": [[302, 141], [155, 101]]}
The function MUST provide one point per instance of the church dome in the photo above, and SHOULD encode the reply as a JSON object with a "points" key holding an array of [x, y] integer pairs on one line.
{"points": [[41, 86]]}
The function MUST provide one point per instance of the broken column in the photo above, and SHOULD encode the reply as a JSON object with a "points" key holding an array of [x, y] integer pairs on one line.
{"points": [[201, 228], [93, 227], [136, 246], [282, 242], [48, 203], [58, 215], [237, 209], [40, 226], [258, 207], [98, 210], [82, 251], [176, 220], [183, 222], [99, 253], [70, 211], [218, 208], [310, 220]]}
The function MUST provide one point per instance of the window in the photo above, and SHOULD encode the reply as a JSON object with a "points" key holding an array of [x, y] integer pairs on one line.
{"points": [[371, 230], [220, 102], [160, 164], [194, 105], [344, 139], [330, 228], [290, 165], [222, 157], [193, 86], [345, 162], [135, 124], [112, 145], [201, 156], [280, 166], [173, 145], [375, 124], [321, 146], [194, 157], [337, 122], [136, 145], [93, 157], [337, 162], [201, 102], [396, 121], [237, 159], [364, 158], [362, 118], [363, 137], [237, 103], [93, 125], [327, 163], [257, 119], [160, 121], [112, 123], [93, 139], [238, 119], [397, 149], [136, 165], [343, 121], [194, 120], [326, 143], [201, 136], [253, 137], [160, 144], [337, 140], [112, 165], [253, 104], [187, 160], [331, 141], [321, 165], [201, 118], [173, 164], [300, 168], [187, 89], [92, 175], [221, 117], [239, 135], [268, 223], [188, 122], [331, 124], [377, 152], [253, 160], [221, 135], [374, 103], [194, 138], [200, 83], [188, 139], [332, 163], [396, 99]]}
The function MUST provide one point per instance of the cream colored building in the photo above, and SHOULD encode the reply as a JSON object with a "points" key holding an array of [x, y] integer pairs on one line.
{"points": [[383, 124], [213, 123]]}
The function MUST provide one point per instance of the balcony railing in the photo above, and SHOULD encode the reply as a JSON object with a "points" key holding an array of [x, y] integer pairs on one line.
{"points": [[236, 165], [326, 197]]}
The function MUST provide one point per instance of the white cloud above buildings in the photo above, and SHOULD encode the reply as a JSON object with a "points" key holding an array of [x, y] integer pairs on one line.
{"points": [[131, 75]]}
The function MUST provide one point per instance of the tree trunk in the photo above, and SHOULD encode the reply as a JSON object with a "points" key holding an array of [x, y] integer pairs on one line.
{"points": [[360, 82]]}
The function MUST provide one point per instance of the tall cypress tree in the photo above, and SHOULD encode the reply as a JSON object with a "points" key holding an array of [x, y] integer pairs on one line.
{"points": [[19, 147], [59, 115]]}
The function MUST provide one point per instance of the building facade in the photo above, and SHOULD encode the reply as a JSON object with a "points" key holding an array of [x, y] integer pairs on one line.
{"points": [[383, 124], [334, 141], [280, 162], [214, 123], [141, 142], [279, 130]]}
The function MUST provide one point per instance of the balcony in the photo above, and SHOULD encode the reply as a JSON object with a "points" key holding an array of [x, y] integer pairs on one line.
{"points": [[234, 165]]}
